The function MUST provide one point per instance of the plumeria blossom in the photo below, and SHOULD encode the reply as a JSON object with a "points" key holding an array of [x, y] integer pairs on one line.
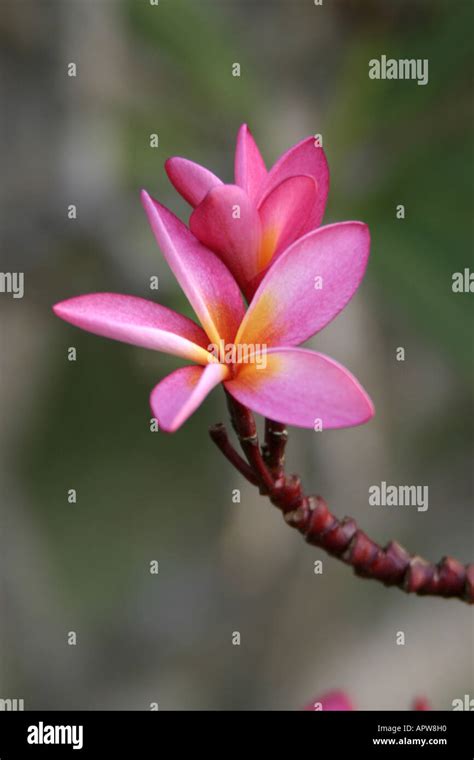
{"points": [[250, 223], [294, 385], [332, 701]]}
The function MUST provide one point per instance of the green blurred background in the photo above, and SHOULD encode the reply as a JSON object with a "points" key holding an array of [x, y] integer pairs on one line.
{"points": [[143, 496]]}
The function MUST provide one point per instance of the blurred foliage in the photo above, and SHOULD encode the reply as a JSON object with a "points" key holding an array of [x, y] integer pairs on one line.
{"points": [[196, 100], [415, 144]]}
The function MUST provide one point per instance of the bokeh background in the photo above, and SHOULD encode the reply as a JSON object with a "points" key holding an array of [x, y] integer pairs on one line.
{"points": [[143, 496]]}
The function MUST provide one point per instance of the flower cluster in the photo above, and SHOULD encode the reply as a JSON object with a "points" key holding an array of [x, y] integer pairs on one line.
{"points": [[258, 270]]}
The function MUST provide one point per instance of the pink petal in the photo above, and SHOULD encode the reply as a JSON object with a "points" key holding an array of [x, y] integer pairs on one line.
{"points": [[284, 213], [228, 223], [332, 701], [207, 283], [249, 168], [303, 158], [289, 306], [191, 180], [302, 388], [179, 395], [137, 321]]}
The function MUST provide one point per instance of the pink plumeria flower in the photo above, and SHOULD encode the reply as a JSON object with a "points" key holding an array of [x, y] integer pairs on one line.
{"points": [[250, 223], [332, 701], [296, 386], [421, 704]]}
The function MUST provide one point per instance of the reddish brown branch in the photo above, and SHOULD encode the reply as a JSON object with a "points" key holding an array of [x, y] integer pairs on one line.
{"points": [[219, 435], [273, 450], [392, 564], [246, 430]]}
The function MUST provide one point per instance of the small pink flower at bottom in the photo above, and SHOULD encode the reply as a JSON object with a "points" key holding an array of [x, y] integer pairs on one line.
{"points": [[339, 701], [331, 700], [421, 704]]}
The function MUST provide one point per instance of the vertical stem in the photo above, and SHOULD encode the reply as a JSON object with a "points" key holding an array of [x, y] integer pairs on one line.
{"points": [[218, 434], [276, 436], [244, 425]]}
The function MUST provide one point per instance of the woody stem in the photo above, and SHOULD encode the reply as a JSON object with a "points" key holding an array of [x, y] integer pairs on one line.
{"points": [[219, 435], [391, 564], [244, 425], [276, 436]]}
